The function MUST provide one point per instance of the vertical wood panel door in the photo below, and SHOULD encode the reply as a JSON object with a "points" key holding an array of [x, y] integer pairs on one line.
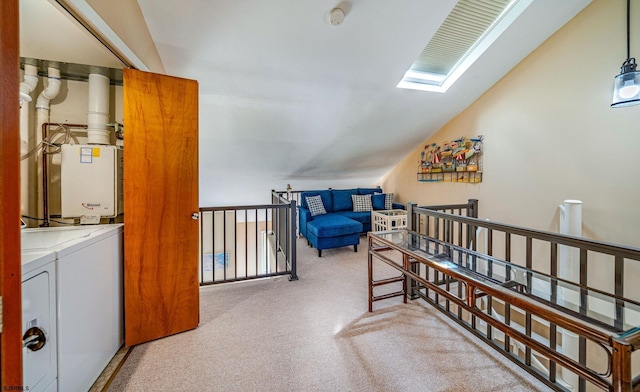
{"points": [[10, 265], [161, 289]]}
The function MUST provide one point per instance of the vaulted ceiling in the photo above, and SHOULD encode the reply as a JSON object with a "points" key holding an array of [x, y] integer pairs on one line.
{"points": [[288, 97]]}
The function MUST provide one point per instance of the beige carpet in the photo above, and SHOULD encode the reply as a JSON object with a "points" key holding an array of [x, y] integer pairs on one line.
{"points": [[315, 334]]}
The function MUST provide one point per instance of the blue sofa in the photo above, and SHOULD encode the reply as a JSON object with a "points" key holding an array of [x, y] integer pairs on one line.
{"points": [[340, 225]]}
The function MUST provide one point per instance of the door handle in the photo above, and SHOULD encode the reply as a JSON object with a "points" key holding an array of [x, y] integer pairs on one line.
{"points": [[195, 216], [34, 339]]}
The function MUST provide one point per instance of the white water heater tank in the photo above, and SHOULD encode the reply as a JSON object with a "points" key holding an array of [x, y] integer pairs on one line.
{"points": [[91, 181]]}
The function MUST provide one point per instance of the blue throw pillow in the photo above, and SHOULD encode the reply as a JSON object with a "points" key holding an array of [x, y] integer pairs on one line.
{"points": [[382, 201], [377, 200]]}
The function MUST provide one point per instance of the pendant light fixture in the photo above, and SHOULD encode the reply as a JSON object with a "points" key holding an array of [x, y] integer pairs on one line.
{"points": [[627, 84]]}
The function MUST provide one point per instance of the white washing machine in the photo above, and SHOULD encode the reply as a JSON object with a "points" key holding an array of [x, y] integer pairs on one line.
{"points": [[39, 352], [88, 297]]}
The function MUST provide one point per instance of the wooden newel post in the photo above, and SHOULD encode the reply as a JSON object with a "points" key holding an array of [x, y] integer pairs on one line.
{"points": [[621, 366]]}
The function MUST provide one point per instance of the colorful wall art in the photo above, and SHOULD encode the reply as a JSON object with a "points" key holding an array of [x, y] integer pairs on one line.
{"points": [[459, 160]]}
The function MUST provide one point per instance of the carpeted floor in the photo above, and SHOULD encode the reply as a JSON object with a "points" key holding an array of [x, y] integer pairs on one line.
{"points": [[315, 334]]}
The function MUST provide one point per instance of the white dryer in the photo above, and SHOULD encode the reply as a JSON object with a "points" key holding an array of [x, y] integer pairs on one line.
{"points": [[39, 352], [88, 297]]}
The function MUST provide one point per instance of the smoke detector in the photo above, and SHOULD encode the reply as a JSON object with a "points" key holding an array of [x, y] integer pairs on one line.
{"points": [[336, 16]]}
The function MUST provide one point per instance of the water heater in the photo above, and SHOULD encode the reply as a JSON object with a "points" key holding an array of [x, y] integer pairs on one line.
{"points": [[91, 181]]}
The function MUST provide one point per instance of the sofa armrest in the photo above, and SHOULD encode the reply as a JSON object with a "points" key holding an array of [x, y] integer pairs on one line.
{"points": [[304, 216], [398, 206]]}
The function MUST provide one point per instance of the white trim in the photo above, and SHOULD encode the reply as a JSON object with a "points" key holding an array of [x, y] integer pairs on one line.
{"points": [[90, 15]]}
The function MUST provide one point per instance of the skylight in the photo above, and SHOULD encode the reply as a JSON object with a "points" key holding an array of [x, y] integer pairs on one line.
{"points": [[471, 27]]}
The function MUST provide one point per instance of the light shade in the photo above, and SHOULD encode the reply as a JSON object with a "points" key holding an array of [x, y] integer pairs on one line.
{"points": [[627, 90]]}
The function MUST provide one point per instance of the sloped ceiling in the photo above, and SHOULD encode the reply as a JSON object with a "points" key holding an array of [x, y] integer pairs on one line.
{"points": [[48, 33], [288, 98]]}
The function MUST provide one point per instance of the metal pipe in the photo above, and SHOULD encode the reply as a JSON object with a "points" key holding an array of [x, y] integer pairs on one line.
{"points": [[42, 105]]}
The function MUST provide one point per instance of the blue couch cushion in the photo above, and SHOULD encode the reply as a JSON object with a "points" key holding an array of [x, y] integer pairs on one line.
{"points": [[369, 191], [342, 199], [362, 217], [336, 242], [333, 225], [327, 200]]}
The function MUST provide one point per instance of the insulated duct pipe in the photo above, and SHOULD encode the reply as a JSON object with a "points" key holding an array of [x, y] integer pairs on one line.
{"points": [[42, 114], [26, 87], [98, 114]]}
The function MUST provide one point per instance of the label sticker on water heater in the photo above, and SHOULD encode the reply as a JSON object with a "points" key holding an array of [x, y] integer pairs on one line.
{"points": [[86, 155]]}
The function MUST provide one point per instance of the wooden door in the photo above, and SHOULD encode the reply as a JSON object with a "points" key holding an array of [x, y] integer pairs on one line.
{"points": [[10, 266], [160, 195]]}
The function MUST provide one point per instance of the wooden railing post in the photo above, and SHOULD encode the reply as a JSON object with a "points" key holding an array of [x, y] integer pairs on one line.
{"points": [[621, 366]]}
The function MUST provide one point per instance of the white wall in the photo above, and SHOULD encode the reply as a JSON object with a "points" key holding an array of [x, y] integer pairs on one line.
{"points": [[238, 167], [550, 135]]}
